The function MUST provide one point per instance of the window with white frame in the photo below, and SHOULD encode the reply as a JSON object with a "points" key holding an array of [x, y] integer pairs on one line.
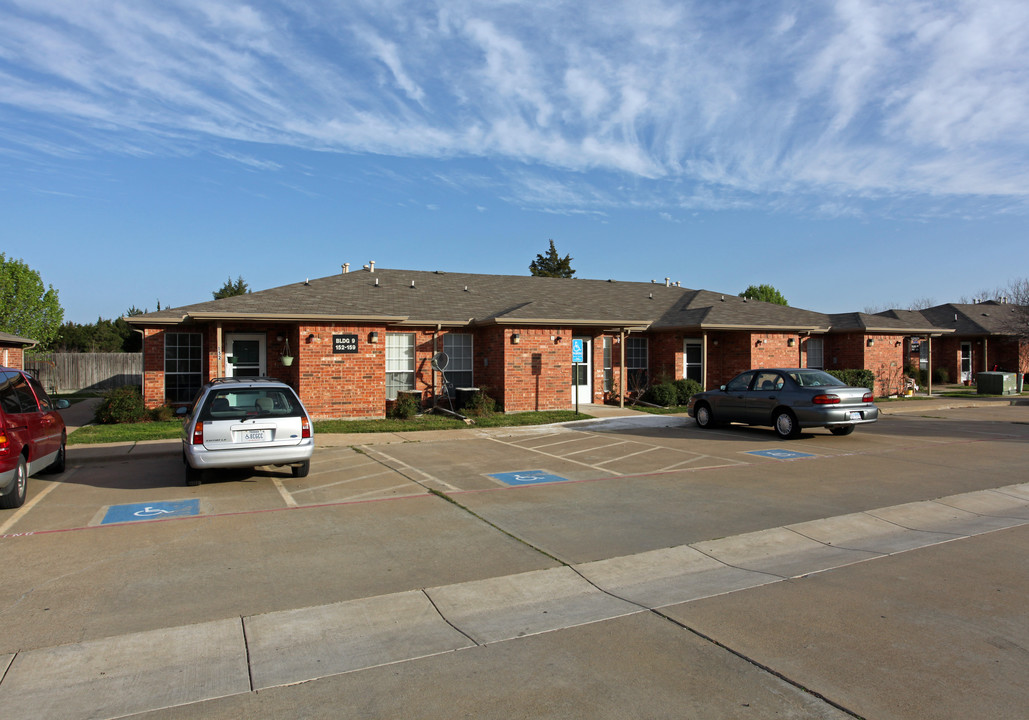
{"points": [[813, 348], [183, 365], [459, 370], [399, 363], [636, 364]]}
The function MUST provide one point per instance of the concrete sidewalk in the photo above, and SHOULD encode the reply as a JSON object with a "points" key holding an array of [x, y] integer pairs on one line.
{"points": [[118, 676]]}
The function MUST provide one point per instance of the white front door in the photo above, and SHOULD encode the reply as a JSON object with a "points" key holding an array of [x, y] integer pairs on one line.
{"points": [[245, 355], [966, 361], [692, 359], [582, 370]]}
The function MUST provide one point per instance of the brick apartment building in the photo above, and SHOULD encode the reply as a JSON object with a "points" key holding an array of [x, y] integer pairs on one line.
{"points": [[350, 343]]}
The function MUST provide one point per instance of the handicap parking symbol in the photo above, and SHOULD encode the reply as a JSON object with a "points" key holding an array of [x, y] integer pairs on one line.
{"points": [[780, 454], [527, 477], [151, 511]]}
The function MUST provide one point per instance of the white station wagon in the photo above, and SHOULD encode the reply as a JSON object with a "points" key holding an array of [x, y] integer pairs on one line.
{"points": [[246, 422]]}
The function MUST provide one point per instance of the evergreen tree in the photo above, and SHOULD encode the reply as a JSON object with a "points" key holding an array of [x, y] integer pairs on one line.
{"points": [[552, 264], [230, 289]]}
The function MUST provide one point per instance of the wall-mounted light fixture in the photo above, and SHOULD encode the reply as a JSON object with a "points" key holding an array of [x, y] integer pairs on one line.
{"points": [[373, 337], [309, 339], [759, 342], [715, 343], [791, 342], [516, 338], [896, 343], [557, 339], [871, 342]]}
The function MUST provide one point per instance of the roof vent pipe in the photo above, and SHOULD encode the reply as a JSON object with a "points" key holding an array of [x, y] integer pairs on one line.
{"points": [[376, 282], [371, 266], [346, 268], [412, 283], [668, 282]]}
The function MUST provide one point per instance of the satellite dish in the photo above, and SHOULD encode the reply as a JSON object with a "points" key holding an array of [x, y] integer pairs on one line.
{"points": [[440, 361]]}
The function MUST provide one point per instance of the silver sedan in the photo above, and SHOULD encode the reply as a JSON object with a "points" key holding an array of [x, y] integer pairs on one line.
{"points": [[787, 399]]}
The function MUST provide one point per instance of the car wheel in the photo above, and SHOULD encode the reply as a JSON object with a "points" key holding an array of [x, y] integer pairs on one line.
{"points": [[302, 469], [785, 424], [704, 417], [842, 430], [16, 498], [57, 466]]}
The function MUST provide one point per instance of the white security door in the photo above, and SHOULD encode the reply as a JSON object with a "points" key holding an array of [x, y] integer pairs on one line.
{"points": [[582, 370], [244, 355], [966, 361]]}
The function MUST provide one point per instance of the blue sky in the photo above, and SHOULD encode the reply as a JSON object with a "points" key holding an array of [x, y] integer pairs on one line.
{"points": [[853, 154]]}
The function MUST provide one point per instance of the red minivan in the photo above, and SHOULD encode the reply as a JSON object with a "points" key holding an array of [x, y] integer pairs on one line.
{"points": [[32, 434]]}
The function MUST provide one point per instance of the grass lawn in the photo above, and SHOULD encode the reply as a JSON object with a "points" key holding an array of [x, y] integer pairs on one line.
{"points": [[169, 429]]}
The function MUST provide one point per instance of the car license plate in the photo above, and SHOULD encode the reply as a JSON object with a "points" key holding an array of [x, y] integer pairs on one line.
{"points": [[253, 436], [855, 416]]}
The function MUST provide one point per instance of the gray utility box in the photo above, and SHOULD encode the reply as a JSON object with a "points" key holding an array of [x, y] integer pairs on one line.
{"points": [[996, 383]]}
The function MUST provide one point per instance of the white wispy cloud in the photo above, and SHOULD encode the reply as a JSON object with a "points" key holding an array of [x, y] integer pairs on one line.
{"points": [[739, 102]]}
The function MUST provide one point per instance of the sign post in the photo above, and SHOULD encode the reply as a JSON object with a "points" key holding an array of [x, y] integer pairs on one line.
{"points": [[578, 357]]}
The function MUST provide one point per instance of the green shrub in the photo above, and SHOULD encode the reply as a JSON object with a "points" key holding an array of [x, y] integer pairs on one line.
{"points": [[855, 378], [404, 408], [664, 394], [685, 389], [480, 405], [123, 405], [163, 414], [941, 376]]}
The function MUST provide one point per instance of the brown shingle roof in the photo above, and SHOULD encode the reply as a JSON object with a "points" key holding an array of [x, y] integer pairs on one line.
{"points": [[418, 297]]}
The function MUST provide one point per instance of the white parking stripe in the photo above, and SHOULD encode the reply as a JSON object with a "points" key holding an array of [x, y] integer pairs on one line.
{"points": [[36, 497]]}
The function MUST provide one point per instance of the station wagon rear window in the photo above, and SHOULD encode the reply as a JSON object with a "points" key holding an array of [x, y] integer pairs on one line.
{"points": [[229, 404]]}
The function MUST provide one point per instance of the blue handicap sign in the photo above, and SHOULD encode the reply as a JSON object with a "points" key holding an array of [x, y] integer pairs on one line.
{"points": [[151, 511], [578, 355], [779, 454], [527, 477]]}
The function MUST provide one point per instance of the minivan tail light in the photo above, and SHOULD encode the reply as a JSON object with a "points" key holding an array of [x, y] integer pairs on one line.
{"points": [[198, 433], [825, 399], [305, 427], [867, 397]]}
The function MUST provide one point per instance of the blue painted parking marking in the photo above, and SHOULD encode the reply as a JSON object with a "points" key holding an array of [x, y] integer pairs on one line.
{"points": [[151, 511], [528, 477], [780, 454]]}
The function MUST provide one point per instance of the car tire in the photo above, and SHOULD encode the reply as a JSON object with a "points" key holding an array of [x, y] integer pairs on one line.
{"points": [[842, 430], [785, 424], [58, 465], [193, 476], [302, 469], [704, 417], [16, 498]]}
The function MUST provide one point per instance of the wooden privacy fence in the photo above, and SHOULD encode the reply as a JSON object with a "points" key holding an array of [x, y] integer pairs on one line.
{"points": [[72, 372]]}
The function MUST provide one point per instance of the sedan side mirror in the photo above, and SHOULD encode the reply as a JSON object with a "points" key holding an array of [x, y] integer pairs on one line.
{"points": [[722, 388], [63, 404]]}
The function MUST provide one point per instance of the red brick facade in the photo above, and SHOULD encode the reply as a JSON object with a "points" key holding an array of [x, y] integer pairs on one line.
{"points": [[12, 357], [523, 369]]}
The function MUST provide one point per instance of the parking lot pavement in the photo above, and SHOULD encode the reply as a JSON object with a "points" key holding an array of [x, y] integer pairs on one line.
{"points": [[526, 573]]}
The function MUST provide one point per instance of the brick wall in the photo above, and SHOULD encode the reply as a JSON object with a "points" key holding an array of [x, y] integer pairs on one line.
{"points": [[13, 357], [537, 370]]}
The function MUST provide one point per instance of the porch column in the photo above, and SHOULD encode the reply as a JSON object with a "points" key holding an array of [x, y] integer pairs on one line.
{"points": [[621, 369], [220, 370], [929, 364], [703, 361]]}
